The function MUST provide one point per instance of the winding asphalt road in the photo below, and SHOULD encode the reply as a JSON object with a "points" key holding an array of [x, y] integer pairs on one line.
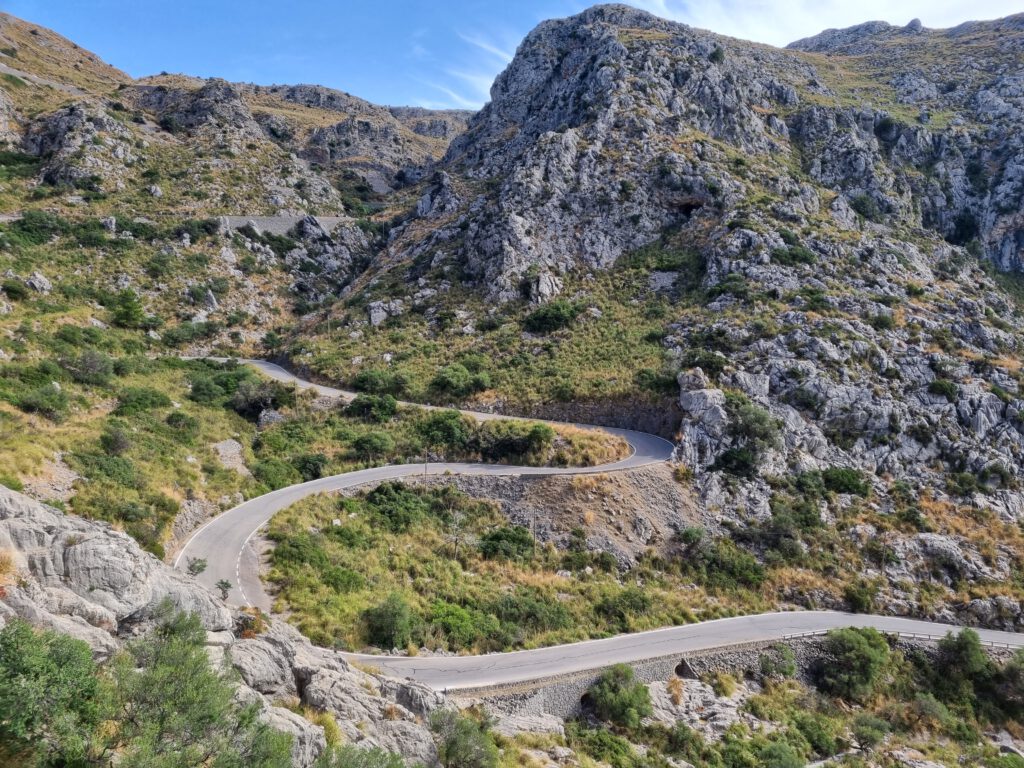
{"points": [[225, 543]]}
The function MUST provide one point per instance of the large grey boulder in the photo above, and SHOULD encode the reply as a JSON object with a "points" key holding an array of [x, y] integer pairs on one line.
{"points": [[91, 571]]}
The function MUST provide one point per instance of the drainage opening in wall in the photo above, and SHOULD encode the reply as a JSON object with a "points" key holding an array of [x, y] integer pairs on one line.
{"points": [[681, 669]]}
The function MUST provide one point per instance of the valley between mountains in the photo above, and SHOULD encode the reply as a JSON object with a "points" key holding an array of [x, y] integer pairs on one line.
{"points": [[318, 417]]}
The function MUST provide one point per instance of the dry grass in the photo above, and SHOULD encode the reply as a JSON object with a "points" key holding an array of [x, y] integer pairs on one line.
{"points": [[675, 690], [588, 447], [369, 669], [8, 567]]}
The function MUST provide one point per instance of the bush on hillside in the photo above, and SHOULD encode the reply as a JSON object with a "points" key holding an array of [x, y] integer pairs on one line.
{"points": [[618, 698], [390, 624], [857, 659], [551, 317]]}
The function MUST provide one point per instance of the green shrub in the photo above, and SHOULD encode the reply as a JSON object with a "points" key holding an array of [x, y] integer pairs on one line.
{"points": [[793, 255], [506, 543], [652, 380], [379, 381], [724, 565], [712, 363], [458, 381], [604, 746], [462, 627], [717, 56], [618, 698], [780, 663], [845, 480], [858, 657], [15, 290], [754, 431], [462, 741], [741, 462], [391, 624], [375, 408], [133, 400], [276, 473], [127, 310], [867, 207], [868, 730], [50, 700], [882, 322], [16, 165], [185, 427], [373, 445], [398, 506], [35, 228], [504, 440], [252, 396], [89, 367], [551, 317], [310, 465], [204, 389], [300, 548], [861, 596], [620, 607], [197, 229], [116, 469], [944, 388], [342, 580], [445, 429], [962, 669], [733, 284], [529, 612], [115, 441], [780, 754], [47, 400]]}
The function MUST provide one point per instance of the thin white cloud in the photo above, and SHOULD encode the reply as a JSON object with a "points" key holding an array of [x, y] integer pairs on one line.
{"points": [[479, 81], [455, 99], [487, 46]]}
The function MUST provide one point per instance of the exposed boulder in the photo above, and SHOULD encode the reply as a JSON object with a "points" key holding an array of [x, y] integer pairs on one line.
{"points": [[82, 144]]}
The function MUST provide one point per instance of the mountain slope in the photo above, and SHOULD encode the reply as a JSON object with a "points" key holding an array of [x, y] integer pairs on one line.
{"points": [[780, 232]]}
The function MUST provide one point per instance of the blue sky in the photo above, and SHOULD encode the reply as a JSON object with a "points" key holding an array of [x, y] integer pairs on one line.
{"points": [[441, 53]]}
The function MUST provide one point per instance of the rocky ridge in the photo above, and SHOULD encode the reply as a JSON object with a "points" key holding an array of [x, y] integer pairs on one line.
{"points": [[614, 125]]}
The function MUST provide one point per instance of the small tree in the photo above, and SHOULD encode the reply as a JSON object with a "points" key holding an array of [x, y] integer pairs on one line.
{"points": [[462, 741], [225, 587], [390, 624], [49, 697], [859, 656], [618, 698], [196, 565], [373, 445], [128, 311], [868, 731], [376, 408], [962, 668], [506, 543]]}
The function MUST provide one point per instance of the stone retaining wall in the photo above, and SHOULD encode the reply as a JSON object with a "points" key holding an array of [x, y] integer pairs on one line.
{"points": [[277, 225], [562, 696]]}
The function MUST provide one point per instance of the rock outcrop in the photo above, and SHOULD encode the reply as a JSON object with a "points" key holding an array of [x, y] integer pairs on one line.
{"points": [[85, 579], [82, 145], [610, 127]]}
